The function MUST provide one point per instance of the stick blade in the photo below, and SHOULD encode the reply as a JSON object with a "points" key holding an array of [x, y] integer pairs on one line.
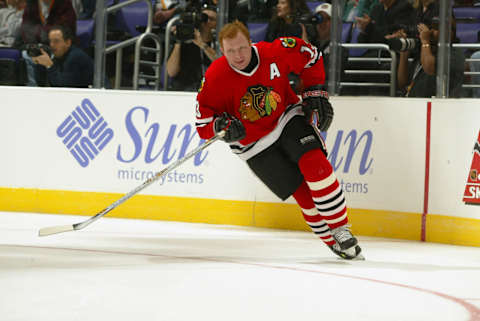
{"points": [[55, 230]]}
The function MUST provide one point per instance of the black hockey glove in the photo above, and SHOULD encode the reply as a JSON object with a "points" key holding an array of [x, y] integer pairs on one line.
{"points": [[316, 99], [234, 129]]}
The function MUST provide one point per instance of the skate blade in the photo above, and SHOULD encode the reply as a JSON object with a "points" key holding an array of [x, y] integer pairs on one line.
{"points": [[359, 257]]}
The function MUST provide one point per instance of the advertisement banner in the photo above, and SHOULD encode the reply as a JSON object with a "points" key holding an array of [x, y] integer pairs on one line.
{"points": [[455, 128], [112, 141]]}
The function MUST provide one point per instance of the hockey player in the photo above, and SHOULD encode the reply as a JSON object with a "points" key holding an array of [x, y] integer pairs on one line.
{"points": [[246, 92]]}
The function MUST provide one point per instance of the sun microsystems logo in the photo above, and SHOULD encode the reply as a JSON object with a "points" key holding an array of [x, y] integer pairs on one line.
{"points": [[85, 133]]}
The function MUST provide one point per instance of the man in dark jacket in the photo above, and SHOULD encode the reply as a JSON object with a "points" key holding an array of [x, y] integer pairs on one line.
{"points": [[71, 66], [385, 18], [38, 18]]}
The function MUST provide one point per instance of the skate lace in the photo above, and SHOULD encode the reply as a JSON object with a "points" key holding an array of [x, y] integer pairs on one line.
{"points": [[342, 233]]}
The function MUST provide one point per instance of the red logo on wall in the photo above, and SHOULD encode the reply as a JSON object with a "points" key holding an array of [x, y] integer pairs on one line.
{"points": [[472, 189]]}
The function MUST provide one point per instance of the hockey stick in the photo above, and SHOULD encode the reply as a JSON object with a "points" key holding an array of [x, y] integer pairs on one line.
{"points": [[314, 119], [78, 226]]}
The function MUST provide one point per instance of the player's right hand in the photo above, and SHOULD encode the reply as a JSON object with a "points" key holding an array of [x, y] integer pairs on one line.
{"points": [[316, 100], [234, 129]]}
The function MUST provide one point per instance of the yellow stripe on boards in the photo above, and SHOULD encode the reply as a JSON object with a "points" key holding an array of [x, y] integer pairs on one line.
{"points": [[380, 223], [453, 230]]}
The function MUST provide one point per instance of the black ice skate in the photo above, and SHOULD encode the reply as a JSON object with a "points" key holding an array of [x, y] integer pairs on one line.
{"points": [[344, 237], [353, 253]]}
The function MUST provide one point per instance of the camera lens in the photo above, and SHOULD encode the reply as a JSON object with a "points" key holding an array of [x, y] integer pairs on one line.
{"points": [[402, 44]]}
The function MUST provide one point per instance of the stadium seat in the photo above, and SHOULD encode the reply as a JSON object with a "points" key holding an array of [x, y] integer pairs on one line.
{"points": [[129, 17], [85, 30], [356, 52], [346, 30], [10, 66], [313, 4], [467, 13], [258, 30], [468, 32]]}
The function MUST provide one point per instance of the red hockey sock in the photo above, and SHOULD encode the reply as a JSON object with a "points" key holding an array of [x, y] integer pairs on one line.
{"points": [[310, 214], [325, 190]]}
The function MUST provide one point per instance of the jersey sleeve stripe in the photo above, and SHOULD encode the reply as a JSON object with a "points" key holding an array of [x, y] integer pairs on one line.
{"points": [[316, 56], [203, 121]]}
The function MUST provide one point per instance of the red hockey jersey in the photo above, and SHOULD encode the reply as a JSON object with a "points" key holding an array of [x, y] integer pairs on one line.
{"points": [[258, 98]]}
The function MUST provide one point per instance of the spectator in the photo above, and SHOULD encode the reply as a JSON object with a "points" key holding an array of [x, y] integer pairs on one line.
{"points": [[38, 17], [164, 10], [420, 79], [426, 11], [10, 22], [84, 9], [284, 21], [357, 8], [192, 55], [71, 66], [323, 13], [385, 18]]}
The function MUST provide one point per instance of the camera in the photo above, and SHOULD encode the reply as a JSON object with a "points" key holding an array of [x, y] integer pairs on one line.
{"points": [[190, 19], [33, 49], [310, 21], [403, 44], [411, 42]]}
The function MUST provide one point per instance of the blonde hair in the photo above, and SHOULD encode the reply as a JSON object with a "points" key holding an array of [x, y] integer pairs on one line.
{"points": [[230, 31]]}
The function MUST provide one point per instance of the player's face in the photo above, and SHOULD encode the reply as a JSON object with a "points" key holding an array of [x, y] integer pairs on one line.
{"points": [[237, 50]]}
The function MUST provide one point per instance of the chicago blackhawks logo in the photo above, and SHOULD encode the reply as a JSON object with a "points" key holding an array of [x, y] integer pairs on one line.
{"points": [[288, 42], [259, 101]]}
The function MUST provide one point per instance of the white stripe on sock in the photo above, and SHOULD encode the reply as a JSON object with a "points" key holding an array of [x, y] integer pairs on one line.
{"points": [[315, 186], [310, 212], [341, 218], [328, 240]]}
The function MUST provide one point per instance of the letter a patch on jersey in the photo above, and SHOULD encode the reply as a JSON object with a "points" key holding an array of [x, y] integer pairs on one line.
{"points": [[471, 195], [274, 72]]}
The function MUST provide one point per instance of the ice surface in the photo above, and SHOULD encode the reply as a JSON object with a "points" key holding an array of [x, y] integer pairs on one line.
{"points": [[119, 270]]}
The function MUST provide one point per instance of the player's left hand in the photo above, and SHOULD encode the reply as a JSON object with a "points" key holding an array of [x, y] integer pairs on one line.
{"points": [[316, 99]]}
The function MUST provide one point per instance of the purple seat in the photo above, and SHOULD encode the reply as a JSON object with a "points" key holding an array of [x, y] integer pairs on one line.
{"points": [[468, 32], [129, 17], [85, 32], [11, 73], [10, 54], [313, 4], [356, 52], [471, 13], [346, 29], [258, 30]]}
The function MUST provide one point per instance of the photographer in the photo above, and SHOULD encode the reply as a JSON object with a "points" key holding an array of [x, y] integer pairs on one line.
{"points": [[419, 79], [71, 66], [38, 17], [193, 51]]}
